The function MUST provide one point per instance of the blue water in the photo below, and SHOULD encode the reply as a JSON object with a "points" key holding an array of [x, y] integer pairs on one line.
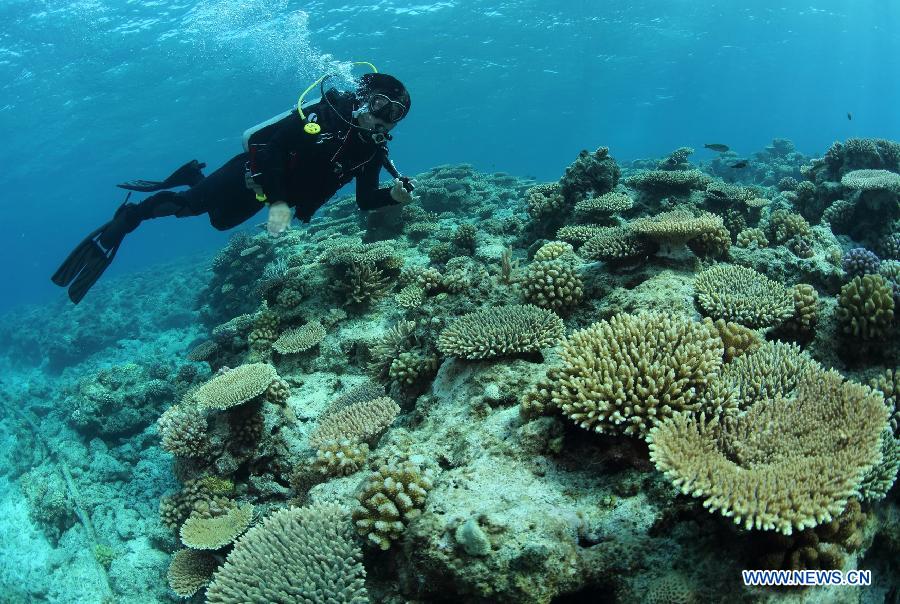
{"points": [[95, 92]]}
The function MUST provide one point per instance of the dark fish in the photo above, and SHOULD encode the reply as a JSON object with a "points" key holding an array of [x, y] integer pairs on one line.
{"points": [[740, 164], [717, 147], [849, 116]]}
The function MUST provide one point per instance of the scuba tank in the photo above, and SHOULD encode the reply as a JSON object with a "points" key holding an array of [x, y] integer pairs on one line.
{"points": [[261, 133]]}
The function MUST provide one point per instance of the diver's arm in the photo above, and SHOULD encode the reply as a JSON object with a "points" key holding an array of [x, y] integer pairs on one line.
{"points": [[368, 195]]}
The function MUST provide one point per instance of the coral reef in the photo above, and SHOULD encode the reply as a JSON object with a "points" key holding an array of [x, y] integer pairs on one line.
{"points": [[784, 464], [297, 554]]}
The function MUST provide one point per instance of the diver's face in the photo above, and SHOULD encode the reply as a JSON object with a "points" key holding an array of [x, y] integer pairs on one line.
{"points": [[370, 122]]}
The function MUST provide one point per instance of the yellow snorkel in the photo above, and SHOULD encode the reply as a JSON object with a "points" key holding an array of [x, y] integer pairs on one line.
{"points": [[312, 127]]}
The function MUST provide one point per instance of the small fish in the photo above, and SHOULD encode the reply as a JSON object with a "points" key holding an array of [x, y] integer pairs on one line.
{"points": [[740, 164], [717, 147], [849, 116]]}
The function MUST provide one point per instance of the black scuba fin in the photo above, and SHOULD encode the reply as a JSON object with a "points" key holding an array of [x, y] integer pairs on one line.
{"points": [[86, 263], [187, 175]]}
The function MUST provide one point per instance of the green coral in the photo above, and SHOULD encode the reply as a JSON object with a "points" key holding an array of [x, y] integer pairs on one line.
{"points": [[866, 307]]}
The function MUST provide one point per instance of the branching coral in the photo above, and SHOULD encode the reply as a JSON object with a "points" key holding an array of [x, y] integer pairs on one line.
{"points": [[190, 571], [214, 530], [785, 463], [591, 173], [668, 182], [340, 458], [771, 369], [603, 206], [300, 338], [389, 499], [499, 332], [624, 375], [235, 386], [553, 284], [359, 422], [304, 555], [182, 430], [866, 307], [678, 227], [740, 294], [616, 244]]}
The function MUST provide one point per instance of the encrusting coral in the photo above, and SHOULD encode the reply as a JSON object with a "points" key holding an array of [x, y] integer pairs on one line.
{"points": [[304, 555], [784, 464]]}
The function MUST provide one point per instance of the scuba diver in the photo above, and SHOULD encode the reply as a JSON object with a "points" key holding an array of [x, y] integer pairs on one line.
{"points": [[297, 160]]}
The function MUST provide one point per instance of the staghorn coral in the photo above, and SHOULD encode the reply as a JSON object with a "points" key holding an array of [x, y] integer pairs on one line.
{"points": [[866, 307], [303, 555], [235, 386], [213, 529], [741, 295], [364, 283], [360, 422], [190, 571], [340, 458], [394, 341], [299, 339], [624, 375], [553, 284], [500, 332], [784, 464], [183, 431], [389, 499]]}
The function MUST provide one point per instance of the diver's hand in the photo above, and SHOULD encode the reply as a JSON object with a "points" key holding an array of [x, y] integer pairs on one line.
{"points": [[399, 192], [279, 218]]}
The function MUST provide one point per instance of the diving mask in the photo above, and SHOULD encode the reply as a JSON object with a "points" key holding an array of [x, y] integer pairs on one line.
{"points": [[385, 108]]}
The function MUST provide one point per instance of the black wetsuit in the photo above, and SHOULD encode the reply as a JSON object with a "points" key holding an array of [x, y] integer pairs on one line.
{"points": [[303, 170]]}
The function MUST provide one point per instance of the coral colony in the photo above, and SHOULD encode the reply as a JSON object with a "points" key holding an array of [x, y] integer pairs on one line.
{"points": [[626, 385]]}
